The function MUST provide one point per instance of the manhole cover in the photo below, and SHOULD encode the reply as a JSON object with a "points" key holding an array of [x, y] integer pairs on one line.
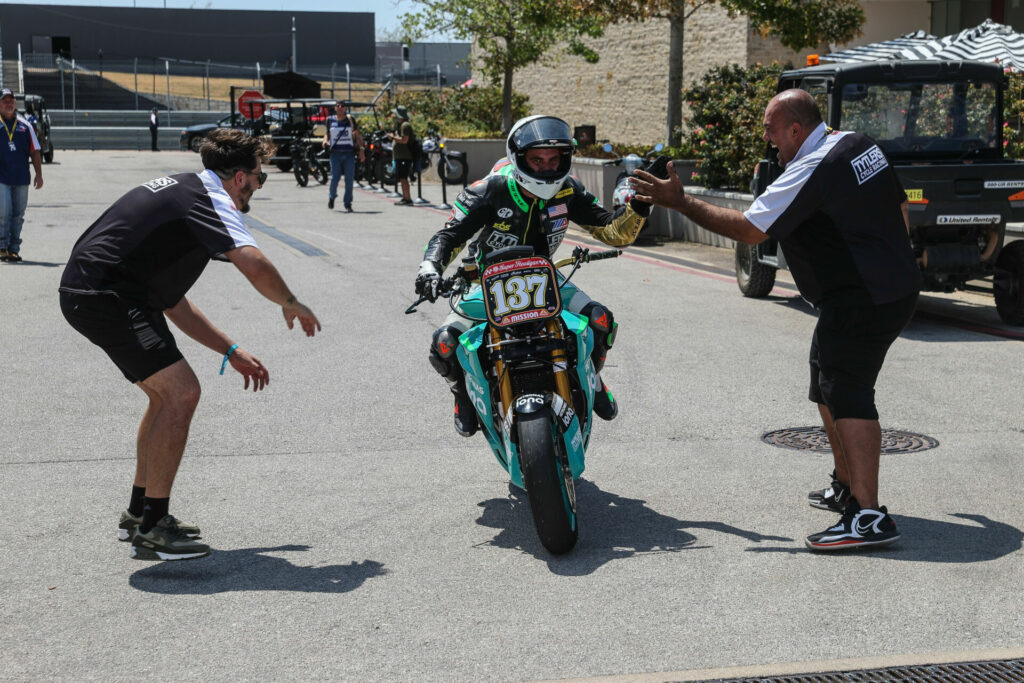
{"points": [[814, 439], [1010, 670]]}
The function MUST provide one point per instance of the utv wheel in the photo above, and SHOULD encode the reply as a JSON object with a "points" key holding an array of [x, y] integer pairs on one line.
{"points": [[754, 279], [1009, 284], [549, 485], [301, 173]]}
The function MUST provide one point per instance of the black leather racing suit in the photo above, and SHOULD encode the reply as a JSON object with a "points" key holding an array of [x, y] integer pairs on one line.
{"points": [[499, 215], [503, 217]]}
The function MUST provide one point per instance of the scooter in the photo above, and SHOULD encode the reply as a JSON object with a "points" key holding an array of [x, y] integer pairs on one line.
{"points": [[529, 375], [631, 162]]}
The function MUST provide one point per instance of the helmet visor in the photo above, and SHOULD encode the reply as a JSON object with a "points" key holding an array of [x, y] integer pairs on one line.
{"points": [[542, 132]]}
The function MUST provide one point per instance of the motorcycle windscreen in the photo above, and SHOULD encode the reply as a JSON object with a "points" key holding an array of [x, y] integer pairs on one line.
{"points": [[522, 290]]}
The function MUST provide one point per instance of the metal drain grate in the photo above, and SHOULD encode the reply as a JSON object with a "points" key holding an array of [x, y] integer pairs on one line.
{"points": [[814, 439], [1010, 670]]}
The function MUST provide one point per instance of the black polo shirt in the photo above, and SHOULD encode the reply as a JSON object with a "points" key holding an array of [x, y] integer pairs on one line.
{"points": [[153, 243], [835, 211]]}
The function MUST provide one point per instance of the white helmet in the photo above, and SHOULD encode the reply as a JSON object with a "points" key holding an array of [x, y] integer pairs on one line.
{"points": [[540, 132]]}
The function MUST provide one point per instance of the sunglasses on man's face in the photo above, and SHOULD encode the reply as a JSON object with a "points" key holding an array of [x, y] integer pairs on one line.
{"points": [[262, 177]]}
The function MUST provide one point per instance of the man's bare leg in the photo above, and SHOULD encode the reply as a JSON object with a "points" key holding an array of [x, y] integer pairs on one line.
{"points": [[164, 429], [838, 457], [862, 447]]}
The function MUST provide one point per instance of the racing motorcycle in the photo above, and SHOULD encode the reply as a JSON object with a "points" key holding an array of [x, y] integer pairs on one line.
{"points": [[530, 377]]}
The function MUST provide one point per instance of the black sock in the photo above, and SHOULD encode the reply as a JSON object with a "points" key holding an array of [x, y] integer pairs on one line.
{"points": [[137, 504], [156, 509]]}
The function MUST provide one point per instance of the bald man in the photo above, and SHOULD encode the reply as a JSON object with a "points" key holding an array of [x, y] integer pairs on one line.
{"points": [[837, 211]]}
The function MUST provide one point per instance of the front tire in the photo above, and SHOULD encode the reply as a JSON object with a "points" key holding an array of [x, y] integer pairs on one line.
{"points": [[755, 279], [453, 170], [1009, 284], [549, 485]]}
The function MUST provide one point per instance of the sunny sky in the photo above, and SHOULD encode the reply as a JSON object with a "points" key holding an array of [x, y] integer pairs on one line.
{"points": [[386, 11]]}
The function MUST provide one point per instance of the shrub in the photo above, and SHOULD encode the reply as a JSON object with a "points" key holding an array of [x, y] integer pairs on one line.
{"points": [[1013, 129], [473, 112], [727, 111]]}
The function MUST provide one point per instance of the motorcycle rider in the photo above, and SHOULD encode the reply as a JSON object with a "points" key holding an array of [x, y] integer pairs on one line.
{"points": [[527, 201]]}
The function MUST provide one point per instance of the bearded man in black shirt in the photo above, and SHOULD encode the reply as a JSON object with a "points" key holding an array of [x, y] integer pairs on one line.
{"points": [[129, 273], [837, 211]]}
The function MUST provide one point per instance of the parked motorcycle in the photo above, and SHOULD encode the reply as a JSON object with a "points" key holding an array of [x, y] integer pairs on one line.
{"points": [[451, 164], [310, 160], [631, 162], [530, 377]]}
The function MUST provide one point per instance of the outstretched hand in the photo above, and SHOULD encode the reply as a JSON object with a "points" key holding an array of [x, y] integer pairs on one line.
{"points": [[667, 193], [250, 367], [310, 325]]}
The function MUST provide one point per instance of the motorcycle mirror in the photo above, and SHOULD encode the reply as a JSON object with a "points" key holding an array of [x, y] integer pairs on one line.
{"points": [[658, 147], [607, 147]]}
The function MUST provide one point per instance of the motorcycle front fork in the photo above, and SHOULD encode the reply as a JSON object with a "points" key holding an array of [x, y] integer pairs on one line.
{"points": [[559, 362]]}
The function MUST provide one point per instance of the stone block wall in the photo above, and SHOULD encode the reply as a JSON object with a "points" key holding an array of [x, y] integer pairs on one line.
{"points": [[625, 94]]}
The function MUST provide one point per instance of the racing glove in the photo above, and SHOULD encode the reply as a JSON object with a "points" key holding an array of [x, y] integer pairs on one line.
{"points": [[428, 280]]}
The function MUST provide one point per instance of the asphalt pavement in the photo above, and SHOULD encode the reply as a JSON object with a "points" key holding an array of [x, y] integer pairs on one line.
{"points": [[357, 537]]}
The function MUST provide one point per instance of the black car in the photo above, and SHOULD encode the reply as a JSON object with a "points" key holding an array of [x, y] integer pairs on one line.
{"points": [[33, 108], [192, 136]]}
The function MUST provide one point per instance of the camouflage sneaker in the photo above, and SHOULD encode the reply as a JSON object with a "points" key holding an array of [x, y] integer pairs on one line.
{"points": [[130, 522], [165, 542]]}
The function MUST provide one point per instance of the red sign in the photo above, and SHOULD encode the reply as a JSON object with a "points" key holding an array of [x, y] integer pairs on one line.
{"points": [[248, 108]]}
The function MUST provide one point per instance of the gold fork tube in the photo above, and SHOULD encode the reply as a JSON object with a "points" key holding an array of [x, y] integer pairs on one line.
{"points": [[558, 357], [505, 384]]}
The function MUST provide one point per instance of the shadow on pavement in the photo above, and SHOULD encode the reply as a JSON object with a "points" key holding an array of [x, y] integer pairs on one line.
{"points": [[248, 569], [928, 540], [612, 527]]}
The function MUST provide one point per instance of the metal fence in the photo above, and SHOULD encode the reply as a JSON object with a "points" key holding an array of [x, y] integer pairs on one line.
{"points": [[177, 84]]}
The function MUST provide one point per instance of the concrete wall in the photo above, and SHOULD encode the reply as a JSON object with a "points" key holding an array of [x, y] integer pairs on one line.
{"points": [[887, 19]]}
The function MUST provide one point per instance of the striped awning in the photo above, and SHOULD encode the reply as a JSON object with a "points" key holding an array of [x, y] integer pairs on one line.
{"points": [[988, 42]]}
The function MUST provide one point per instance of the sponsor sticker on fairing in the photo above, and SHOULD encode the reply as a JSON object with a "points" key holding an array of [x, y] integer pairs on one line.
{"points": [[868, 164]]}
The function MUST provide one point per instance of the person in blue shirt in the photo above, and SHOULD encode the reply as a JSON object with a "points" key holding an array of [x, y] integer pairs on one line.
{"points": [[344, 141], [21, 146]]}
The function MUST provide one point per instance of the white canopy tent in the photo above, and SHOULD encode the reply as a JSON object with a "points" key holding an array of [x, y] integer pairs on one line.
{"points": [[988, 42]]}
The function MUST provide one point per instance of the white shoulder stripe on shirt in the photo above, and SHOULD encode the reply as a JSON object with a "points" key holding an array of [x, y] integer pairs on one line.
{"points": [[767, 208], [226, 211]]}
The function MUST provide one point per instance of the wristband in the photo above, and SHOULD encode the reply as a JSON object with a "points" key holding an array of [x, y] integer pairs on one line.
{"points": [[227, 355]]}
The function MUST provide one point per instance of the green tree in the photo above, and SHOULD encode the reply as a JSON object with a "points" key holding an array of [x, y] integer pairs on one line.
{"points": [[798, 24], [510, 34]]}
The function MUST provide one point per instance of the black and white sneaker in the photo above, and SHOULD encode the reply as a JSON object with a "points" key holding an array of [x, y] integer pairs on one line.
{"points": [[857, 528], [832, 498]]}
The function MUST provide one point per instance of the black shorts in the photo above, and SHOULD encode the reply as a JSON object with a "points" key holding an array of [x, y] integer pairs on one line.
{"points": [[135, 337], [402, 168], [847, 351]]}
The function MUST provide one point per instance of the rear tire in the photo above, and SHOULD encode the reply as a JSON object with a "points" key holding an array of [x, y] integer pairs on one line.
{"points": [[755, 279], [1009, 285], [300, 170], [549, 486]]}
